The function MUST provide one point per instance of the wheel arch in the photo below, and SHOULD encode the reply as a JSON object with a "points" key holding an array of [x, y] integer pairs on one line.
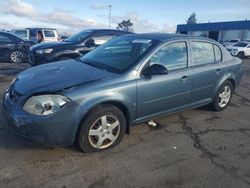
{"points": [[232, 81], [228, 77], [117, 104]]}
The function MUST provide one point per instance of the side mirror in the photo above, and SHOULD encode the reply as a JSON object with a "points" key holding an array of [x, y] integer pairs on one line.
{"points": [[155, 69], [90, 43]]}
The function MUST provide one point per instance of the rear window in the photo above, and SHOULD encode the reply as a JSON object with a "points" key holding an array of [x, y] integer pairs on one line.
{"points": [[203, 53], [21, 33], [49, 33]]}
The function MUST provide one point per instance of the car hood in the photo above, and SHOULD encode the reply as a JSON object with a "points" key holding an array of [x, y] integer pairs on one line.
{"points": [[235, 47], [56, 76], [49, 45]]}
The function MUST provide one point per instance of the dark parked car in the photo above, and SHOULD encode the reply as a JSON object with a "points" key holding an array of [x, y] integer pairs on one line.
{"points": [[73, 47], [131, 79], [13, 48]]}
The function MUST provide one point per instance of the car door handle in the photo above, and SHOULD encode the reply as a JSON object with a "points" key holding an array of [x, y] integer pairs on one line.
{"points": [[185, 78], [218, 71]]}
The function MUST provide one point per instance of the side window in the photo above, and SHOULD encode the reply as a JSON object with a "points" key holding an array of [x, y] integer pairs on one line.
{"points": [[173, 56], [49, 33], [4, 38], [203, 53], [21, 33], [217, 53], [33, 33], [99, 40]]}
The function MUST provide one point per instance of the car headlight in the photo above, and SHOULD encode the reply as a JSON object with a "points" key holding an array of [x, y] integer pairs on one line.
{"points": [[235, 50], [44, 51], [44, 104]]}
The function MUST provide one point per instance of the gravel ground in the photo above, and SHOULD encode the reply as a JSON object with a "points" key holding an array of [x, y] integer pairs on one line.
{"points": [[195, 148]]}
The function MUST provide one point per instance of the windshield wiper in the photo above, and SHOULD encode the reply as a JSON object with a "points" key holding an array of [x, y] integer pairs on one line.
{"points": [[92, 64]]}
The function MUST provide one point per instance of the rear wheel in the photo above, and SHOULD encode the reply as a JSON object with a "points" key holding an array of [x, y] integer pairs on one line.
{"points": [[103, 128], [18, 56], [223, 96]]}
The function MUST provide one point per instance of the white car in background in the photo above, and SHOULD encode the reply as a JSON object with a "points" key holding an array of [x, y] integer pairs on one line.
{"points": [[241, 49], [231, 42], [31, 34]]}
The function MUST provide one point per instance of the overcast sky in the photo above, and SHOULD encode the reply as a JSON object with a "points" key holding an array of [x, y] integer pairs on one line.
{"points": [[147, 15]]}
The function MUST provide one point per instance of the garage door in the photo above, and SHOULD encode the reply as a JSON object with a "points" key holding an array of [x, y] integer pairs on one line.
{"points": [[232, 34]]}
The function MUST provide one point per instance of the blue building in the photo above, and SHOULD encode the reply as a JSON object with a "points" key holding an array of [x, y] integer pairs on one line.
{"points": [[220, 31]]}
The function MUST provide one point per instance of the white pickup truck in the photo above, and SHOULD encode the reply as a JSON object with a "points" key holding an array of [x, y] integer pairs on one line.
{"points": [[241, 49]]}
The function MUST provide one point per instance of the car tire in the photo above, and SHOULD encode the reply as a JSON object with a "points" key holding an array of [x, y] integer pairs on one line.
{"points": [[241, 55], [223, 96], [102, 129], [18, 56]]}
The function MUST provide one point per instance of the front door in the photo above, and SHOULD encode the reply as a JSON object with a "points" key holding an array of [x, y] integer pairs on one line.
{"points": [[165, 93]]}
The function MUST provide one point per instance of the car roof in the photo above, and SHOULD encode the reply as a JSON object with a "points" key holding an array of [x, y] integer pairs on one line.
{"points": [[107, 30], [7, 33], [40, 28], [167, 36], [10, 34]]}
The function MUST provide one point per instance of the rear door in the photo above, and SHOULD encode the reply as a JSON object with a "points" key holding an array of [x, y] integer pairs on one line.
{"points": [[7, 44], [208, 70], [161, 94]]}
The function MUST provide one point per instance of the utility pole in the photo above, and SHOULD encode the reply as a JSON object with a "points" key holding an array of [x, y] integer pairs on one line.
{"points": [[110, 6]]}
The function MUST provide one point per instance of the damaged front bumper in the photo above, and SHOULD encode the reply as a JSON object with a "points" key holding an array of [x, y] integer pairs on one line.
{"points": [[52, 130]]}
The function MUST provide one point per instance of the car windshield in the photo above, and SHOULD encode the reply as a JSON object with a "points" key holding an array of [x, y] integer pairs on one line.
{"points": [[78, 37], [241, 44], [119, 54]]}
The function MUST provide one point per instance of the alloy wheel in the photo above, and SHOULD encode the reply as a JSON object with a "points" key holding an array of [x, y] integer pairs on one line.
{"points": [[17, 57], [104, 132], [224, 96]]}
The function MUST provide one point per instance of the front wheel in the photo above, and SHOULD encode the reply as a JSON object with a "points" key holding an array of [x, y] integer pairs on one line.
{"points": [[241, 55], [18, 56], [103, 128], [223, 96]]}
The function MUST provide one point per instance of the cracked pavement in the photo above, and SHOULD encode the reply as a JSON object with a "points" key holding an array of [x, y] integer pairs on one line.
{"points": [[194, 148]]}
